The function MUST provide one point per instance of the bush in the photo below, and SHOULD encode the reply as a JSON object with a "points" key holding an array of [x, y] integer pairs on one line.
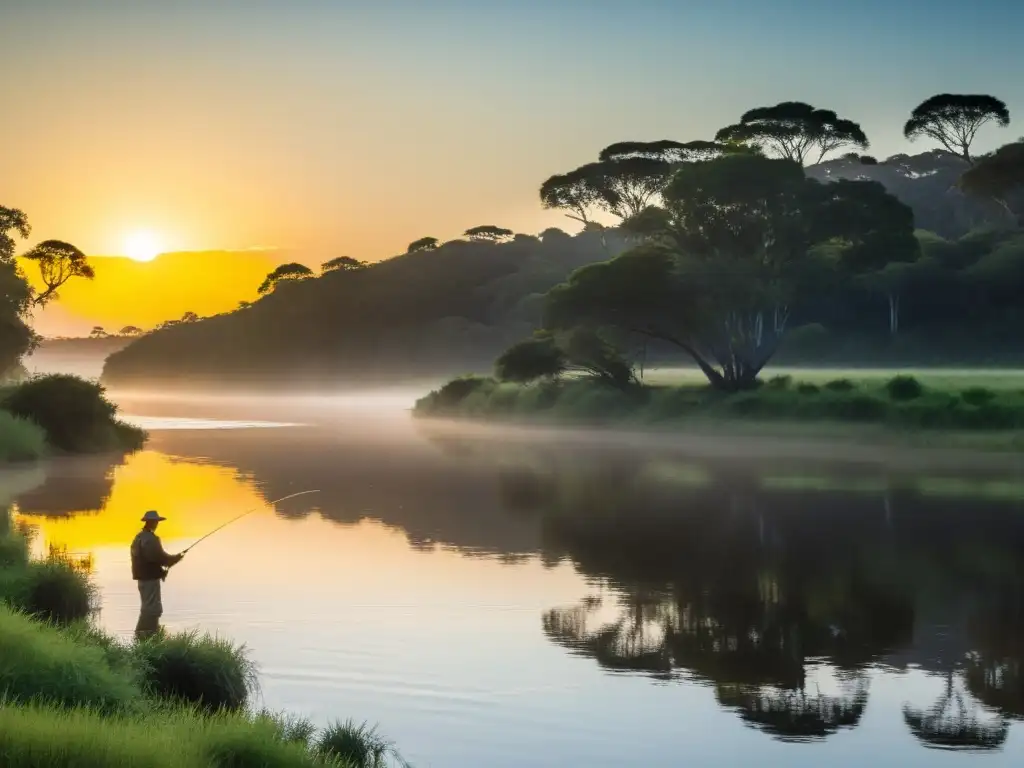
{"points": [[39, 662], [74, 414], [806, 388], [202, 670], [20, 439], [50, 590], [453, 393], [904, 388], [977, 396], [358, 746], [535, 358], [779, 382], [840, 385]]}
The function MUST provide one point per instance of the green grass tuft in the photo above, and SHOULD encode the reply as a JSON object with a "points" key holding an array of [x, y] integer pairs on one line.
{"points": [[359, 746], [198, 669]]}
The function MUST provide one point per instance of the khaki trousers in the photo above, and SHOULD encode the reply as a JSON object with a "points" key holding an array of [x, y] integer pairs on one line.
{"points": [[152, 608]]}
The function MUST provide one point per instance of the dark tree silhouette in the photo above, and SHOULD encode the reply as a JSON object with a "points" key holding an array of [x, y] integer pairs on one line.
{"points": [[190, 317], [536, 358], [573, 192], [423, 244], [58, 262], [342, 264], [999, 176], [130, 330], [953, 120], [11, 220], [794, 130], [489, 233], [666, 150], [97, 332], [291, 271]]}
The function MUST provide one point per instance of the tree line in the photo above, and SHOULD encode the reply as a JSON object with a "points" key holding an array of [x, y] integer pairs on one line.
{"points": [[732, 237]]}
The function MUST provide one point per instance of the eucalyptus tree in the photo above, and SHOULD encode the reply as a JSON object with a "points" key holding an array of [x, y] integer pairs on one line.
{"points": [[953, 120]]}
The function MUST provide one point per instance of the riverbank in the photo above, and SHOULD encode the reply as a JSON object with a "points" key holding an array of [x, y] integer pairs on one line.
{"points": [[72, 695], [900, 410]]}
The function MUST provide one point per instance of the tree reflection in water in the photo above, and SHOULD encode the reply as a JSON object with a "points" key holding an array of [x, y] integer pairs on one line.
{"points": [[751, 588]]}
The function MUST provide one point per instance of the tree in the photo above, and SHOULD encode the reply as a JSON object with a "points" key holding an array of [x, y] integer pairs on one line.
{"points": [[11, 219], [130, 330], [737, 244], [342, 264], [999, 176], [190, 317], [423, 244], [290, 271], [16, 336], [97, 332], [573, 192], [665, 150], [953, 120], [488, 233], [794, 130], [536, 358], [58, 262]]}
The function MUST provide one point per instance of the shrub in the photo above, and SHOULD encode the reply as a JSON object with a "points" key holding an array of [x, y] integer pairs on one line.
{"points": [[359, 746], [535, 358], [840, 385], [52, 591], [806, 388], [977, 396], [202, 670], [41, 662], [20, 439], [904, 388], [855, 408], [74, 414], [454, 392], [779, 382]]}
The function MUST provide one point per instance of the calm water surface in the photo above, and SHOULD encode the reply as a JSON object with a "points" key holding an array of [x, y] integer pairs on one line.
{"points": [[498, 599]]}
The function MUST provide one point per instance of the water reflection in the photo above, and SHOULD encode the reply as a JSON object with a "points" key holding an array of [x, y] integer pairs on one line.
{"points": [[784, 590]]}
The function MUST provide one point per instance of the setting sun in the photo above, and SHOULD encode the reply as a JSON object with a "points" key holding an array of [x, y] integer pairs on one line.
{"points": [[141, 246]]}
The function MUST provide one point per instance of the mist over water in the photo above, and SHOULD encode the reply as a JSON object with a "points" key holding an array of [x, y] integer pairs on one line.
{"points": [[510, 596]]}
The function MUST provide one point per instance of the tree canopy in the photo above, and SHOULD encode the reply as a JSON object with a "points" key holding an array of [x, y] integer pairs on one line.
{"points": [[953, 120], [727, 257], [423, 244], [342, 264], [58, 262], [12, 221], [999, 176], [795, 131], [489, 232], [291, 271]]}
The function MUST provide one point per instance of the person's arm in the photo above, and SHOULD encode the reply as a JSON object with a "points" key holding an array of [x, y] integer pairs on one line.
{"points": [[154, 552]]}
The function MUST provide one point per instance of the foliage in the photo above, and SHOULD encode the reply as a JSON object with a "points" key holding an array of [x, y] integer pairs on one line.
{"points": [[731, 252], [74, 413], [58, 262], [489, 232], [291, 271], [953, 120], [999, 176], [12, 220], [50, 590], [536, 358], [572, 400], [904, 388], [20, 439], [202, 670], [16, 337], [342, 264], [130, 330], [795, 131], [423, 244], [359, 746]]}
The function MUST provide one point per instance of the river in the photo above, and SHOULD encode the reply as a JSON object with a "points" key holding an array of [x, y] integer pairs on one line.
{"points": [[512, 598]]}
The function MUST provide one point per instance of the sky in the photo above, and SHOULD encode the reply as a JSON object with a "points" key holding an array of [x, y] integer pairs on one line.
{"points": [[327, 128]]}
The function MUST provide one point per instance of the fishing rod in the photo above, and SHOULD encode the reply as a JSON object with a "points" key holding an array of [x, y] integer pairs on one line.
{"points": [[235, 519]]}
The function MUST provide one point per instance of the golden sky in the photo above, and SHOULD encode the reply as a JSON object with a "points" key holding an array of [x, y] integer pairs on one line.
{"points": [[346, 128]]}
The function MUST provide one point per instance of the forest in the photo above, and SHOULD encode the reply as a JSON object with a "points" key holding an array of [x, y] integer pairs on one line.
{"points": [[777, 240]]}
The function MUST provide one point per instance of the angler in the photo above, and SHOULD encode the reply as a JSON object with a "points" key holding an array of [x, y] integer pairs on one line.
{"points": [[149, 567]]}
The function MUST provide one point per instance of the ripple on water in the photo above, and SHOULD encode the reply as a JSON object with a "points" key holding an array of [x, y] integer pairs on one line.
{"points": [[174, 422]]}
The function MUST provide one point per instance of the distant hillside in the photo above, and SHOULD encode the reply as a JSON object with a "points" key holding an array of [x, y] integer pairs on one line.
{"points": [[81, 356], [427, 313]]}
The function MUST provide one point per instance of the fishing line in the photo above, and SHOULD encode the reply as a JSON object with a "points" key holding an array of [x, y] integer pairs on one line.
{"points": [[244, 514]]}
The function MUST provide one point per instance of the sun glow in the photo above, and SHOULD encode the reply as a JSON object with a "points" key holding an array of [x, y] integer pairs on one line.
{"points": [[141, 246]]}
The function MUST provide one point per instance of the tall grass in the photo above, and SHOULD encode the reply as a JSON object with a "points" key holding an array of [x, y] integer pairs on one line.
{"points": [[359, 746], [20, 439], [198, 669]]}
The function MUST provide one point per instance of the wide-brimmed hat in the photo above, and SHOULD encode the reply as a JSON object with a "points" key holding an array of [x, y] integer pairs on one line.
{"points": [[152, 517]]}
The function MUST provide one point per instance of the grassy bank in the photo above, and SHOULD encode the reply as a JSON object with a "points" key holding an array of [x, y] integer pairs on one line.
{"points": [[900, 403], [61, 414], [72, 695]]}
